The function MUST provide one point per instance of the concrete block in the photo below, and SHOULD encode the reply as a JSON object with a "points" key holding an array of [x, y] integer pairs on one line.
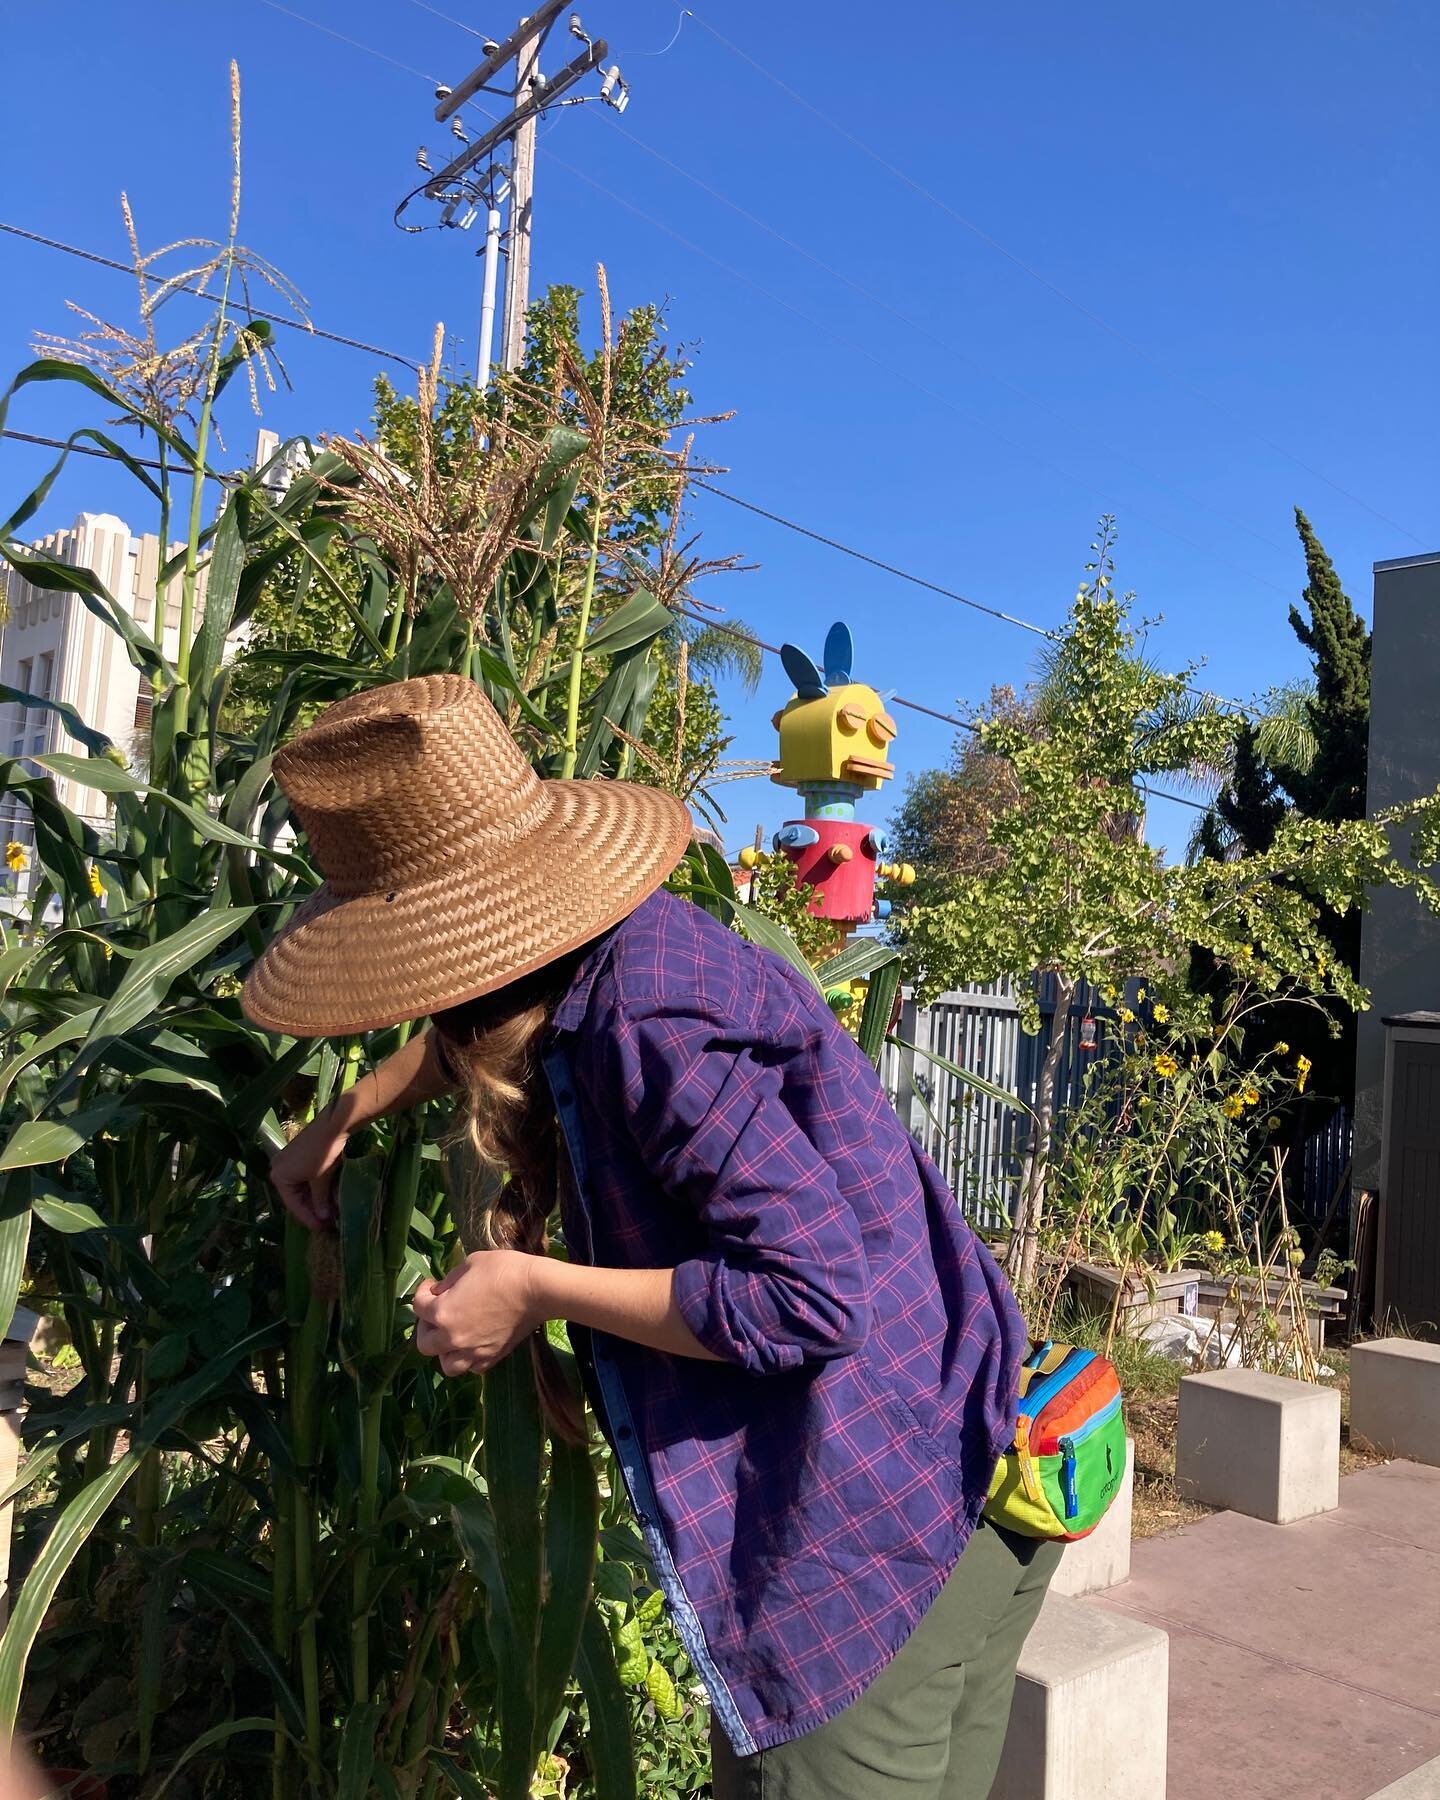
{"points": [[1101, 1560], [1259, 1444], [1420, 1784], [1088, 1721], [1395, 1397]]}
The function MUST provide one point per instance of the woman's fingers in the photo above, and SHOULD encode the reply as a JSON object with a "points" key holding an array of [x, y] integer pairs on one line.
{"points": [[460, 1362], [295, 1198]]}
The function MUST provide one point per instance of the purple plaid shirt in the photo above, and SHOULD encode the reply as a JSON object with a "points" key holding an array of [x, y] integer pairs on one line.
{"points": [[806, 1497]]}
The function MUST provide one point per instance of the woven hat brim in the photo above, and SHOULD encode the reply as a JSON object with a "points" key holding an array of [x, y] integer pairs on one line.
{"points": [[350, 964]]}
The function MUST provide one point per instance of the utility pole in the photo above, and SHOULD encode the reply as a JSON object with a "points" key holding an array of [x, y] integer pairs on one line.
{"points": [[522, 201], [473, 180]]}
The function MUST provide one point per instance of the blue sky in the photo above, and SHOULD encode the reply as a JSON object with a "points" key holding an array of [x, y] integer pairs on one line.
{"points": [[1237, 204]]}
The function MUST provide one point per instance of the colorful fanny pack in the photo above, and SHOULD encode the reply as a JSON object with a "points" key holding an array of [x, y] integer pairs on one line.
{"points": [[1068, 1458]]}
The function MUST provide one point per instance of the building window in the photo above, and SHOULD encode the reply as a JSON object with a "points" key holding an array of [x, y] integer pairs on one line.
{"points": [[46, 689], [144, 705]]}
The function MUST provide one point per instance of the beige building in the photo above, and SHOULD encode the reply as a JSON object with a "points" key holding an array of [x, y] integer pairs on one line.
{"points": [[54, 647]]}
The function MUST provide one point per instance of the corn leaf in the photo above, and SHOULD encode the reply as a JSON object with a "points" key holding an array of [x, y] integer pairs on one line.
{"points": [[14, 1242], [217, 1734], [879, 1007], [513, 1444], [72, 1527], [35, 1142], [856, 961], [612, 1759], [572, 1516]]}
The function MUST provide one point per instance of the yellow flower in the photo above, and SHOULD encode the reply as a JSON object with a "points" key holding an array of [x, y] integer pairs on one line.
{"points": [[17, 858], [1296, 1258], [1139, 993], [1321, 965], [1250, 1096], [1303, 1066], [1107, 994], [1214, 1241], [1274, 1121], [97, 887], [1232, 1106], [1160, 1012], [1246, 950], [1125, 1016], [1166, 1065], [1282, 1048]]}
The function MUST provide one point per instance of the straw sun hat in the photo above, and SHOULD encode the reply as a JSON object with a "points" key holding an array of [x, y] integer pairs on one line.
{"points": [[450, 867]]}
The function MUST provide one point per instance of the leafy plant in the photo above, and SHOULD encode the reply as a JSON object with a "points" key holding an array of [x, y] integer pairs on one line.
{"points": [[1080, 896], [265, 1541]]}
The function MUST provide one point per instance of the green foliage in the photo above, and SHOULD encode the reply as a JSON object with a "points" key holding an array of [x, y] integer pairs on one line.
{"points": [[1078, 893], [776, 896], [266, 1543], [943, 826], [1332, 786], [1308, 752]]}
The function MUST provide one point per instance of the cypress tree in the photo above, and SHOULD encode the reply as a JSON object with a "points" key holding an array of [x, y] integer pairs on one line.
{"points": [[1333, 787]]}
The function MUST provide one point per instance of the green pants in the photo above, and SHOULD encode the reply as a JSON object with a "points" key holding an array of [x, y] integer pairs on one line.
{"points": [[932, 1724]]}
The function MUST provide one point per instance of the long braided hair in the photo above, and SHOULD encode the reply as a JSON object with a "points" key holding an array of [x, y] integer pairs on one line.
{"points": [[507, 1124]]}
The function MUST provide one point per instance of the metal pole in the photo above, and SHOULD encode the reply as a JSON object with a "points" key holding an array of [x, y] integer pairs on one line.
{"points": [[522, 188], [487, 302]]}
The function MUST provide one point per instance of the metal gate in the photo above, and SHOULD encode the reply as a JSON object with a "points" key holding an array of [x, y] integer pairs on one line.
{"points": [[978, 1142]]}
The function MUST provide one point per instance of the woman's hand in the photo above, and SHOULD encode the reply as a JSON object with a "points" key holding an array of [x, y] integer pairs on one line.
{"points": [[479, 1312], [305, 1171]]}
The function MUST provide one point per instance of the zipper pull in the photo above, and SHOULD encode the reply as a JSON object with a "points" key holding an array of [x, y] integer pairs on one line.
{"points": [[1067, 1477], [1027, 1463]]}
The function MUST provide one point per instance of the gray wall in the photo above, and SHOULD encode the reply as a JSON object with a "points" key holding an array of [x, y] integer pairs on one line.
{"points": [[1400, 942]]}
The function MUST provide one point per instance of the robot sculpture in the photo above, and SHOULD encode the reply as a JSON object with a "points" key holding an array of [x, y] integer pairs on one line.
{"points": [[835, 736]]}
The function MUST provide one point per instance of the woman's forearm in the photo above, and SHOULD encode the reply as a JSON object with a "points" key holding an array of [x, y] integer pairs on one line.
{"points": [[410, 1077], [636, 1304]]}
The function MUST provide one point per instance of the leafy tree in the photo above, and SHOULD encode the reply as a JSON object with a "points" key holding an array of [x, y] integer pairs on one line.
{"points": [[1307, 750], [1078, 895], [943, 824]]}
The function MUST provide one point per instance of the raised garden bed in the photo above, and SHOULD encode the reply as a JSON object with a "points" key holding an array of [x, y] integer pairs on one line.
{"points": [[1195, 1293]]}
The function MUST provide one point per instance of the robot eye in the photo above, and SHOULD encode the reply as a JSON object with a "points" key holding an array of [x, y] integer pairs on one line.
{"points": [[882, 728], [851, 718]]}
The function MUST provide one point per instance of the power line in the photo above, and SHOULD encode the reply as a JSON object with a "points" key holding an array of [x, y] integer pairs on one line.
{"points": [[459, 24], [830, 543], [749, 637], [139, 462], [720, 493], [110, 262], [711, 624], [887, 364], [946, 345], [1037, 275]]}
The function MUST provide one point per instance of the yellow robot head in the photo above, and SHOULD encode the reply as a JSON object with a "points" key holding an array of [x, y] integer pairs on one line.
{"points": [[835, 729]]}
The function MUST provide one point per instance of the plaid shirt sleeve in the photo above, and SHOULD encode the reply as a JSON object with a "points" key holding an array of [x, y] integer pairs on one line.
{"points": [[783, 1279]]}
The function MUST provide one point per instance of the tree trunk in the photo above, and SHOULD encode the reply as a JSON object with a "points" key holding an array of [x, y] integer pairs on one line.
{"points": [[1024, 1251]]}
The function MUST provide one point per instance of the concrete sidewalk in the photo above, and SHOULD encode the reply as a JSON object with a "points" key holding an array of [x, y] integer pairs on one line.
{"points": [[1304, 1659]]}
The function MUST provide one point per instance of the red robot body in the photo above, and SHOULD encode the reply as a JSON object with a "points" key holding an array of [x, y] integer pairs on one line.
{"points": [[840, 865]]}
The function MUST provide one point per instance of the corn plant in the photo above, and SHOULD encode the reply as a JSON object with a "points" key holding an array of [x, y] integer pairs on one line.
{"points": [[261, 1538]]}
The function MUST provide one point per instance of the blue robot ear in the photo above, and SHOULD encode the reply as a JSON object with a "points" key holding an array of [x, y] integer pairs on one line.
{"points": [[809, 682], [839, 655]]}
